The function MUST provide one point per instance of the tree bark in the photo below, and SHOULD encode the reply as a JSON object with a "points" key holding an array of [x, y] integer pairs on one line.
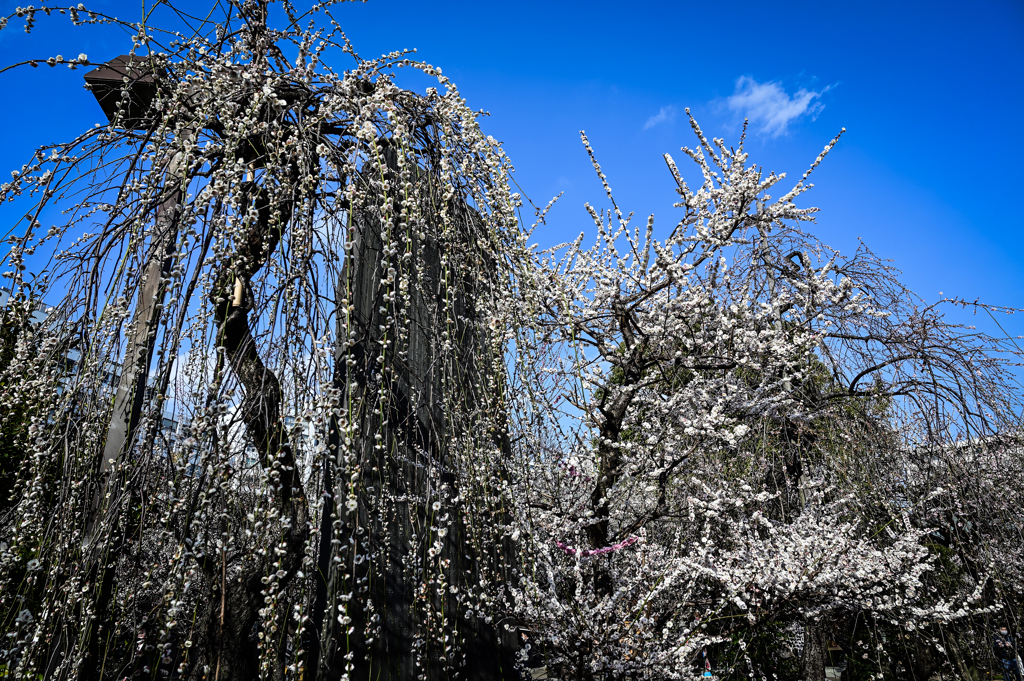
{"points": [[815, 655], [229, 638]]}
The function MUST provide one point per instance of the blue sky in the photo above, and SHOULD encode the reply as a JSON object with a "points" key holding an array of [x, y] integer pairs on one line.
{"points": [[928, 174]]}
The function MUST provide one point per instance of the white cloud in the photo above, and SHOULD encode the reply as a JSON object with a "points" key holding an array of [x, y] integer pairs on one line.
{"points": [[666, 114], [769, 106]]}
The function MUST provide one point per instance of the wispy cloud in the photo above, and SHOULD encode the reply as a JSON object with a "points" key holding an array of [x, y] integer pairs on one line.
{"points": [[667, 114], [768, 106]]}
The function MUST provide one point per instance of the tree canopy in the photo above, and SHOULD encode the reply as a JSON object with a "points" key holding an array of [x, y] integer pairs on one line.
{"points": [[308, 404]]}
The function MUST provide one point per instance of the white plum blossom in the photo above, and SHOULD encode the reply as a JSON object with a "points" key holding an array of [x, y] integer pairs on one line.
{"points": [[286, 389]]}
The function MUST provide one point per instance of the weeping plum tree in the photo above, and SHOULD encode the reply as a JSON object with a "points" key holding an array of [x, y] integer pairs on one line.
{"points": [[267, 437], [735, 441], [308, 406]]}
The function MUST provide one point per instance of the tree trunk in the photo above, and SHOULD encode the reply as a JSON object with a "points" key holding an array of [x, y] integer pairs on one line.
{"points": [[231, 648], [812, 664]]}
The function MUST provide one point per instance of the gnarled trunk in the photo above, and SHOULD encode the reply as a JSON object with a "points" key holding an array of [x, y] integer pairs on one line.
{"points": [[231, 646], [812, 664]]}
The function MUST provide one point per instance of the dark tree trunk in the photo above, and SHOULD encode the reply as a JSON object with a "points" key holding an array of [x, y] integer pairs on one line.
{"points": [[230, 643], [815, 654]]}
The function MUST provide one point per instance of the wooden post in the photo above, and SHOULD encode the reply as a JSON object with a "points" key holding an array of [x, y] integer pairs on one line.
{"points": [[132, 383], [415, 434]]}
